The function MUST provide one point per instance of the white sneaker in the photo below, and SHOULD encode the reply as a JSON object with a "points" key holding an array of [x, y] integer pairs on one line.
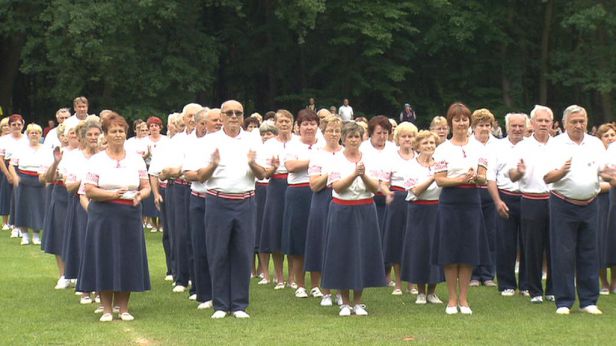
{"points": [[153, 230], [550, 298], [396, 292], [106, 317], [168, 277], [592, 309], [525, 293], [6, 227], [326, 300], [563, 310], [360, 310], [279, 286], [179, 289], [338, 300], [391, 284], [36, 240], [536, 300], [465, 310], [240, 314], [97, 299], [263, 282], [62, 283], [85, 300], [414, 291], [218, 314], [451, 310], [205, 305], [125, 316], [421, 299], [604, 292], [345, 310], [192, 297], [293, 285], [508, 292], [25, 241], [315, 292], [148, 225], [99, 310], [301, 293], [433, 299], [14, 233]]}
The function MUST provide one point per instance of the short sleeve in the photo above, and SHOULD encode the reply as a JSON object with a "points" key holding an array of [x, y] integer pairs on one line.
{"points": [[92, 172], [334, 175], [440, 162]]}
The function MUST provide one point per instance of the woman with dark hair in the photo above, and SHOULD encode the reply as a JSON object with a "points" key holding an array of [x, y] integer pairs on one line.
{"points": [[299, 195], [114, 259], [250, 124], [606, 236], [275, 152], [353, 257], [154, 140], [318, 170], [8, 146], [26, 164], [460, 241], [421, 218]]}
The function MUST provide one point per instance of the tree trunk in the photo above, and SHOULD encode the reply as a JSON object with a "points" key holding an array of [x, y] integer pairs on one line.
{"points": [[545, 52], [10, 51]]}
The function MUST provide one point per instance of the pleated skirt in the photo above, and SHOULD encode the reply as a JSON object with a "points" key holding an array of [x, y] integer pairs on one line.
{"points": [[295, 219], [315, 231], [29, 202], [260, 196], [271, 230], [394, 227], [6, 191], [54, 226], [74, 236], [609, 245]]}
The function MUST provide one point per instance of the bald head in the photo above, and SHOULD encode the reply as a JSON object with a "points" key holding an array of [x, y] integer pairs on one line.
{"points": [[213, 120], [232, 114]]}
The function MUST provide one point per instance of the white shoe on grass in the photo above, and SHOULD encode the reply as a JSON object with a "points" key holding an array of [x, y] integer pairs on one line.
{"points": [[205, 305], [327, 300], [218, 314]]}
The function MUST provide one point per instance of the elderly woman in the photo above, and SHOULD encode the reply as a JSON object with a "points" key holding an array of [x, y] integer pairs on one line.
{"points": [[396, 175], [606, 237], [10, 143], [114, 259], [375, 151], [5, 197], [298, 196], [54, 224], [440, 126], [482, 121], [154, 140], [26, 163], [275, 152], [352, 258], [460, 241], [421, 218], [318, 170]]}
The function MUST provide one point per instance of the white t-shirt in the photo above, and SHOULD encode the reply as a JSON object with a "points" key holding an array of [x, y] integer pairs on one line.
{"points": [[322, 162], [419, 174], [499, 163], [51, 140], [534, 154], [346, 113], [195, 159], [343, 168], [397, 170], [110, 174], [136, 145], [273, 147], [28, 158], [233, 174], [374, 159], [456, 160], [9, 145], [587, 159], [297, 150]]}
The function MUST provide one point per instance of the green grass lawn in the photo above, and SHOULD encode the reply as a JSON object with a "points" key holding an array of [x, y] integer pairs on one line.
{"points": [[34, 313]]}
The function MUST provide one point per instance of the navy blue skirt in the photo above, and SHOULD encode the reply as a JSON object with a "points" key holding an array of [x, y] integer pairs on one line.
{"points": [[379, 202], [315, 231], [353, 256], [295, 219], [416, 265], [609, 244], [394, 225], [149, 208], [6, 191], [460, 232], [114, 255], [260, 195], [74, 236], [29, 202], [603, 200], [54, 226], [271, 229], [48, 196]]}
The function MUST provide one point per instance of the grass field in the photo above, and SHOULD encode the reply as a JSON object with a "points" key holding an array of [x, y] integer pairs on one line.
{"points": [[33, 313]]}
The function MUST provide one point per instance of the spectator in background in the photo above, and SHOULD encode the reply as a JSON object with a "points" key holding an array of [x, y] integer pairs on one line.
{"points": [[312, 105], [50, 125], [51, 138], [408, 114], [334, 111], [497, 131], [556, 130], [346, 111]]}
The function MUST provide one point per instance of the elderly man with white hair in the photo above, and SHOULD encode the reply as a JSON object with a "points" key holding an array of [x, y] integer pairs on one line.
{"points": [[506, 196], [575, 161]]}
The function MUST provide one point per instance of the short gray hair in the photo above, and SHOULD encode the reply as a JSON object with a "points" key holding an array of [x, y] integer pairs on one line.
{"points": [[201, 114], [538, 108], [268, 126], [572, 110], [508, 116]]}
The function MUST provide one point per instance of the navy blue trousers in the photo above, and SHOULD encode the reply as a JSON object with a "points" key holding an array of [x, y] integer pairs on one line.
{"points": [[229, 237], [508, 237], [181, 235], [168, 225], [535, 227], [164, 222], [487, 272], [575, 260], [201, 280]]}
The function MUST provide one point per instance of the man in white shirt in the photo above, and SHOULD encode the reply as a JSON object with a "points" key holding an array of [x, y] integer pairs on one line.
{"points": [[229, 172], [345, 111], [574, 163], [506, 196], [80, 105], [51, 140]]}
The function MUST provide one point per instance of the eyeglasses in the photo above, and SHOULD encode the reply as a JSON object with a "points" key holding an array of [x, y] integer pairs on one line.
{"points": [[231, 113], [333, 131]]}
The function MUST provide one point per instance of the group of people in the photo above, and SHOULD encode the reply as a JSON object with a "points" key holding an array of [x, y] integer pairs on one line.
{"points": [[356, 204]]}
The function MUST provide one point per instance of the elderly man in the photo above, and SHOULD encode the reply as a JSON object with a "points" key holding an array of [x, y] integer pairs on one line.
{"points": [[506, 196], [80, 105], [230, 170], [574, 162], [526, 168], [52, 140], [345, 111]]}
